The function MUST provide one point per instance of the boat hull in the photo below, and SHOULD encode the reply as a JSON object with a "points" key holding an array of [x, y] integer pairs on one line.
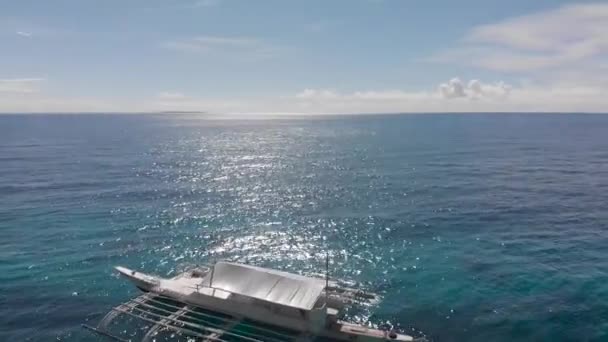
{"points": [[220, 301]]}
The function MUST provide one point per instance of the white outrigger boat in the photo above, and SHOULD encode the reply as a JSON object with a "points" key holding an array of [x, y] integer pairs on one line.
{"points": [[236, 302]]}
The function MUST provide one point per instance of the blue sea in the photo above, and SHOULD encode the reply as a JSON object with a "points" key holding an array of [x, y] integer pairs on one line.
{"points": [[472, 227]]}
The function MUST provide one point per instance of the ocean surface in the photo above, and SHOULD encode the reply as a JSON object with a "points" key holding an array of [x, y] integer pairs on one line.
{"points": [[472, 227]]}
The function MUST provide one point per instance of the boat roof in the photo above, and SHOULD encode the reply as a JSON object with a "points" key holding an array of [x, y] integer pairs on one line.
{"points": [[268, 285]]}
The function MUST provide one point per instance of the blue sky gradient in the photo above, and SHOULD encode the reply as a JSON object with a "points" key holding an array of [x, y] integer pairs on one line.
{"points": [[302, 56]]}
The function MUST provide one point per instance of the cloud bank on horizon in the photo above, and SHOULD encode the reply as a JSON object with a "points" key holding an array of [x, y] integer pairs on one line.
{"points": [[552, 60]]}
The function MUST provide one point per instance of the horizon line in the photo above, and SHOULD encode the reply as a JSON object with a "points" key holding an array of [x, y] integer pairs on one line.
{"points": [[289, 114]]}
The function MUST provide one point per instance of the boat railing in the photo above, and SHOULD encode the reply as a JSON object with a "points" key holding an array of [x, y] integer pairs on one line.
{"points": [[198, 288]]}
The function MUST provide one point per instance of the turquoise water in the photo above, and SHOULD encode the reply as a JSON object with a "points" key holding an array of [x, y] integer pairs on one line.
{"points": [[472, 227]]}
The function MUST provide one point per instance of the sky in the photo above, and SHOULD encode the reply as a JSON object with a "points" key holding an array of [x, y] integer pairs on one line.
{"points": [[304, 57]]}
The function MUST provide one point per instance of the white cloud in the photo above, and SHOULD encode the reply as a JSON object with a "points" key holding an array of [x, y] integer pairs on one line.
{"points": [[211, 41], [28, 29], [234, 46], [20, 85], [475, 90], [40, 103], [558, 52], [24, 34], [452, 89], [474, 96], [557, 38], [168, 95], [458, 96], [316, 93]]}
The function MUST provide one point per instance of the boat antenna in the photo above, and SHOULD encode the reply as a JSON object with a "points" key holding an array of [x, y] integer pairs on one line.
{"points": [[326, 270]]}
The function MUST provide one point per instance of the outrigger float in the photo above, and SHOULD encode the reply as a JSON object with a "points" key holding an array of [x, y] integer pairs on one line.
{"points": [[236, 302]]}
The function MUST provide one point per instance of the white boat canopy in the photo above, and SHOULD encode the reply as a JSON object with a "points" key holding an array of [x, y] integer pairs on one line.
{"points": [[268, 285]]}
